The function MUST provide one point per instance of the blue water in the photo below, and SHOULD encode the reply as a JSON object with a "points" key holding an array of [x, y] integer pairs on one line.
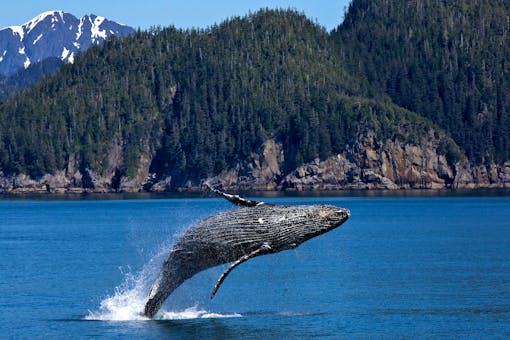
{"points": [[400, 267]]}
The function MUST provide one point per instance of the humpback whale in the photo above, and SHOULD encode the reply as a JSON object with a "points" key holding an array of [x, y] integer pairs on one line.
{"points": [[235, 236]]}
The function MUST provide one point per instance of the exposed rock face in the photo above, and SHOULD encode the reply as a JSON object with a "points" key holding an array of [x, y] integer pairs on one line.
{"points": [[136, 184], [79, 180], [374, 164], [491, 176], [262, 171], [369, 163]]}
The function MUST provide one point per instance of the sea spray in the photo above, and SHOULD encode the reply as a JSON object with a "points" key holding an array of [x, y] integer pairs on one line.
{"points": [[192, 313], [128, 301]]}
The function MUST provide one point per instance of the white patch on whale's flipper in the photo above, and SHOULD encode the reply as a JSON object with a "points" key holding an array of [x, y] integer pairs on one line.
{"points": [[264, 249]]}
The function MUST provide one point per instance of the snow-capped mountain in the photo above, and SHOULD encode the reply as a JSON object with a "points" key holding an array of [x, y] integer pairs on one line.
{"points": [[53, 34]]}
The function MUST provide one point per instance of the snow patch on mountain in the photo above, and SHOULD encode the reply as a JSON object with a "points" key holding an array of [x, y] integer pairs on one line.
{"points": [[53, 34], [65, 53], [80, 29], [31, 24], [37, 39], [95, 30], [18, 30]]}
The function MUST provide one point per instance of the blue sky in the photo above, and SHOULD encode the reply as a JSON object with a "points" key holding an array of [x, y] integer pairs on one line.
{"points": [[183, 13]]}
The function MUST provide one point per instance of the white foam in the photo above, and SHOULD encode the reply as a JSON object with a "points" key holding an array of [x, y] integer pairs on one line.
{"points": [[193, 313], [128, 301], [126, 304]]}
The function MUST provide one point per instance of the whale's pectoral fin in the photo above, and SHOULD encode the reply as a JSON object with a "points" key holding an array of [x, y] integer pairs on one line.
{"points": [[235, 199], [264, 249]]}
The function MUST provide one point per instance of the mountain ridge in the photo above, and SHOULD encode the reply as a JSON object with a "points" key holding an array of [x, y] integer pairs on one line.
{"points": [[53, 34]]}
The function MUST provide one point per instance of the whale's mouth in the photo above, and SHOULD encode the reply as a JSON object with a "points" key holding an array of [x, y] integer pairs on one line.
{"points": [[336, 217]]}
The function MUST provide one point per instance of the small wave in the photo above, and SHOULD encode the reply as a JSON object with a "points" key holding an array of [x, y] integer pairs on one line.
{"points": [[193, 313], [132, 314]]}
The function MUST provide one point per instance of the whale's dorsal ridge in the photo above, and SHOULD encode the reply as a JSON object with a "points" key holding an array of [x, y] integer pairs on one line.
{"points": [[264, 249], [235, 199]]}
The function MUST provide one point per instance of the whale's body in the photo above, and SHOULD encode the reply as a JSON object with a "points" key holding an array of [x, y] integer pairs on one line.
{"points": [[236, 236]]}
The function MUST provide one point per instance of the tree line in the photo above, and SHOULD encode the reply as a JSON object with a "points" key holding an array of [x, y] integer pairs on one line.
{"points": [[200, 101], [446, 60]]}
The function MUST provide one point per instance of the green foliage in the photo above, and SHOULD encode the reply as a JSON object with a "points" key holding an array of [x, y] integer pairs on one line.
{"points": [[199, 101], [451, 151], [9, 85], [446, 60]]}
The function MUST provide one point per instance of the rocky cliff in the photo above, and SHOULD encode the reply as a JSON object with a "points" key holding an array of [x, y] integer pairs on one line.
{"points": [[369, 163], [77, 178]]}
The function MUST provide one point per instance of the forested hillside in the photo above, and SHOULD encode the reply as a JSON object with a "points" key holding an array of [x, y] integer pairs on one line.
{"points": [[446, 60], [179, 106], [199, 100], [9, 85]]}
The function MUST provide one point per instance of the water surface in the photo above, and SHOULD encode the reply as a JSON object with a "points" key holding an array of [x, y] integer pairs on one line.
{"points": [[400, 267]]}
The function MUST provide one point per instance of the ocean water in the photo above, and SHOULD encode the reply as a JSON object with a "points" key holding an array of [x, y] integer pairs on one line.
{"points": [[427, 267]]}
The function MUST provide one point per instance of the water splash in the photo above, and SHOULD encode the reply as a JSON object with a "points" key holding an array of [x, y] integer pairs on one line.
{"points": [[128, 301], [193, 313]]}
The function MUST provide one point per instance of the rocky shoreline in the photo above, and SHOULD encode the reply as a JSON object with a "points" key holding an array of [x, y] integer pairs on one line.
{"points": [[369, 164], [315, 176]]}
